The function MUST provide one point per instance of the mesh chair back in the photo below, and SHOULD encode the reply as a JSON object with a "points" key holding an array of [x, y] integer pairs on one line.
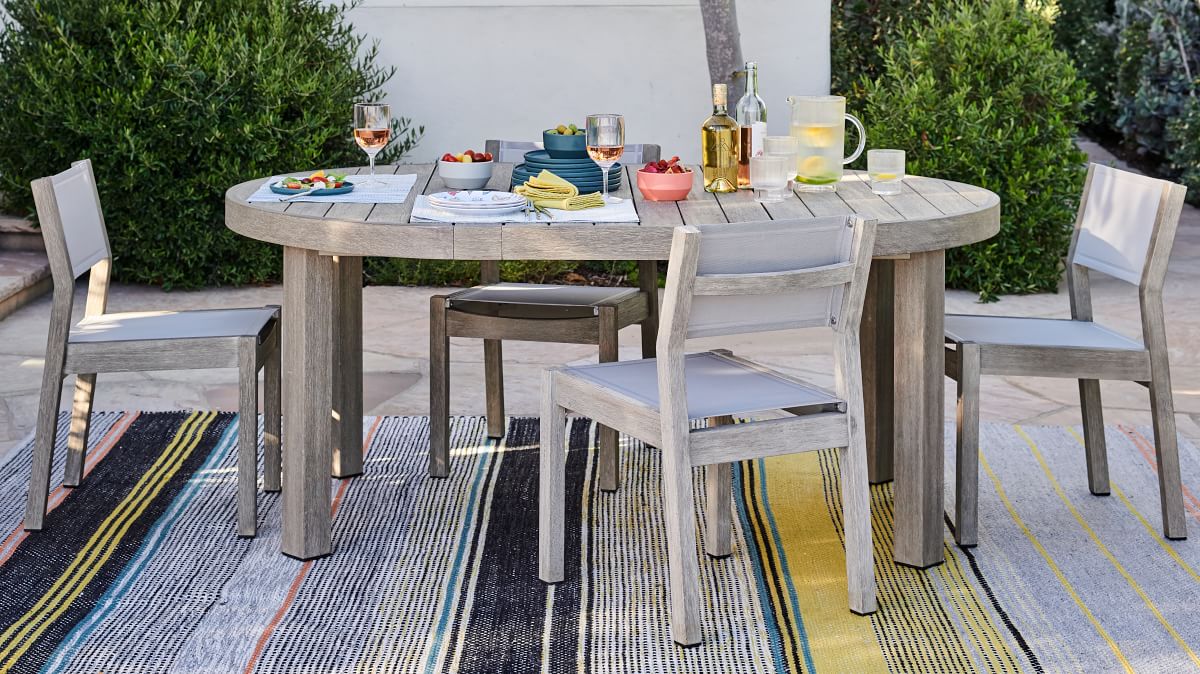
{"points": [[1117, 222]]}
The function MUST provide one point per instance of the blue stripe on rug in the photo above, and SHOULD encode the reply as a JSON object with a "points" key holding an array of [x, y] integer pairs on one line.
{"points": [[150, 546]]}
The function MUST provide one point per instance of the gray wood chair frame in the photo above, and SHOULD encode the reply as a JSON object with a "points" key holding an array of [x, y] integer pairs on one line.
{"points": [[74, 248], [622, 308], [811, 427], [1145, 364], [600, 329]]}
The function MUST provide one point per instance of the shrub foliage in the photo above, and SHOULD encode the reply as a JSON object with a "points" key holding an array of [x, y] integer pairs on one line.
{"points": [[1084, 29], [981, 95], [1158, 71], [175, 101]]}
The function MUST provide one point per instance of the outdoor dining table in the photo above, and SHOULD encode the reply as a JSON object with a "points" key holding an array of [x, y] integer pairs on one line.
{"points": [[902, 346]]}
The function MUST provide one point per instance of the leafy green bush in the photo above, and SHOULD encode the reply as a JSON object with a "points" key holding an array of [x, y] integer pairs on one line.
{"points": [[1084, 29], [175, 101], [981, 95], [861, 30], [1183, 138], [1158, 71]]}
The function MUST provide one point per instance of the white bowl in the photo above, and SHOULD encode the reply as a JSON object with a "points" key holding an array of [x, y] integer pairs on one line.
{"points": [[459, 175]]}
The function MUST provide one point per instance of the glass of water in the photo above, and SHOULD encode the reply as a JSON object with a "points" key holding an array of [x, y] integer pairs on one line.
{"points": [[886, 169], [783, 146], [769, 177]]}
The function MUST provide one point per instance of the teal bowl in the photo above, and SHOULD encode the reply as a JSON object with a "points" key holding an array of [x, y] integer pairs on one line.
{"points": [[565, 147]]}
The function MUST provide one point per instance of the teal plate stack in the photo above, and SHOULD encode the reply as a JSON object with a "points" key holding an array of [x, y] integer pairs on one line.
{"points": [[582, 173]]}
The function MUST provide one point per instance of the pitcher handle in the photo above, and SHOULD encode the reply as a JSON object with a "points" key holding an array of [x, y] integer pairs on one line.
{"points": [[862, 138]]}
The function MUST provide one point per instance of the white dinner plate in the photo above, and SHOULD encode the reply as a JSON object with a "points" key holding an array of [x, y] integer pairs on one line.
{"points": [[475, 199], [499, 210]]}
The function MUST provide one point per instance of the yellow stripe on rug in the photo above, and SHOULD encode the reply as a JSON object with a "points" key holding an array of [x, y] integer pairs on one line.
{"points": [[1062, 579], [1112, 559], [816, 560], [87, 562]]}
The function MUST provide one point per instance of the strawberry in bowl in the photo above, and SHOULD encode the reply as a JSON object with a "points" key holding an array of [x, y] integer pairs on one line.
{"points": [[665, 180]]}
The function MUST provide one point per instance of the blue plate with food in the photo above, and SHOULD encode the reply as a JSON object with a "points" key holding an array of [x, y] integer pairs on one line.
{"points": [[317, 185]]}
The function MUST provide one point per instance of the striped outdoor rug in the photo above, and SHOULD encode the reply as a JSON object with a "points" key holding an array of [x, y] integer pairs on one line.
{"points": [[140, 570]]}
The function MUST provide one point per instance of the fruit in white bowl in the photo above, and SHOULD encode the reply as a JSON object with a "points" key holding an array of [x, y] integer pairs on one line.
{"points": [[466, 171]]}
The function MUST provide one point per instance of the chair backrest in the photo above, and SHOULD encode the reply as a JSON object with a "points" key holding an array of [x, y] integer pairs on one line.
{"points": [[68, 208], [772, 275], [1126, 225], [513, 151]]}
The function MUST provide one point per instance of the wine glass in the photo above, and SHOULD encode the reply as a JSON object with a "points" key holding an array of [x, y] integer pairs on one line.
{"points": [[605, 145], [372, 130]]}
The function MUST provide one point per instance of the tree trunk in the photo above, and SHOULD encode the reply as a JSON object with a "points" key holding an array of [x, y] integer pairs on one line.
{"points": [[723, 44]]}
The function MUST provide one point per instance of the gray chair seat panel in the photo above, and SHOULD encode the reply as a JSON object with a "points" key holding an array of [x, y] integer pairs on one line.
{"points": [[153, 325], [716, 386], [531, 300], [1040, 332]]}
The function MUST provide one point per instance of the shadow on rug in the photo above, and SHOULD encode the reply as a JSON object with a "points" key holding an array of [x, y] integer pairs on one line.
{"points": [[140, 570]]}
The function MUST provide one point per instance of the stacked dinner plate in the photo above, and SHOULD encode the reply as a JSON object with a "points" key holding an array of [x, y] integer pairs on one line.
{"points": [[582, 173], [477, 202]]}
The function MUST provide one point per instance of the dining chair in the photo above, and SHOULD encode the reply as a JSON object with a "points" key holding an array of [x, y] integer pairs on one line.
{"points": [[72, 223], [497, 311], [513, 151], [729, 279], [1124, 228]]}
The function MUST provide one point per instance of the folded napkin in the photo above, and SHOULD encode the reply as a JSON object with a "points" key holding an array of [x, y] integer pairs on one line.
{"points": [[546, 190]]}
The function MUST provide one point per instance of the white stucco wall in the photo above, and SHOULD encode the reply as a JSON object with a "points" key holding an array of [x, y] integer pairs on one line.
{"points": [[476, 69]]}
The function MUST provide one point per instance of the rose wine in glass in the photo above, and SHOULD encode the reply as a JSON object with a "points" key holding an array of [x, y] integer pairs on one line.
{"points": [[372, 131], [605, 145]]}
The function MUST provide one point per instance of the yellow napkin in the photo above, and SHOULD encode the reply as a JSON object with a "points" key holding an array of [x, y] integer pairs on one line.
{"points": [[546, 190]]}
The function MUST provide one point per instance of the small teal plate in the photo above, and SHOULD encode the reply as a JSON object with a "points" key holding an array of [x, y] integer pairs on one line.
{"points": [[324, 191]]}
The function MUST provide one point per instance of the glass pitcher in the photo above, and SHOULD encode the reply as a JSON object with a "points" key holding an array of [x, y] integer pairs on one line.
{"points": [[819, 125]]}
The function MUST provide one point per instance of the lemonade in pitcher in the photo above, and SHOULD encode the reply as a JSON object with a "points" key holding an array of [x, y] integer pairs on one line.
{"points": [[819, 127]]}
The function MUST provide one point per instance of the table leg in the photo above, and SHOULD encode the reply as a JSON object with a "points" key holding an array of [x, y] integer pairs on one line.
{"points": [[347, 367], [877, 336], [307, 401], [919, 354]]}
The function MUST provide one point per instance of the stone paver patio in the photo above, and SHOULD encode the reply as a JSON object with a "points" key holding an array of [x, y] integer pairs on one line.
{"points": [[396, 343]]}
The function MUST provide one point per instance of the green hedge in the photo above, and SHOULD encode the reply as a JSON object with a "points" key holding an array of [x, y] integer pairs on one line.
{"points": [[1084, 29], [175, 101], [981, 95]]}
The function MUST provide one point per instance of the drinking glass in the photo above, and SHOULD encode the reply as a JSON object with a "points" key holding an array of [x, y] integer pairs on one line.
{"points": [[783, 146], [886, 169], [605, 145], [372, 130], [769, 177]]}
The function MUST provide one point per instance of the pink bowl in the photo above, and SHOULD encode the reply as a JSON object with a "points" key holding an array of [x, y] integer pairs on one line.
{"points": [[664, 186]]}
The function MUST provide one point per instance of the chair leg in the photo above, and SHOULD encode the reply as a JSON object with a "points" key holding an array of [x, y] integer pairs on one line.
{"points": [[679, 512], [77, 437], [609, 477], [966, 448], [856, 487], [1166, 450], [47, 429], [718, 491], [648, 284], [493, 372], [1093, 436], [272, 418], [551, 485], [439, 389], [247, 460]]}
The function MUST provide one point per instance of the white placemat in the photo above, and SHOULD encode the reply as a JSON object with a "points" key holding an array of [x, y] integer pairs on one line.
{"points": [[621, 212], [394, 190]]}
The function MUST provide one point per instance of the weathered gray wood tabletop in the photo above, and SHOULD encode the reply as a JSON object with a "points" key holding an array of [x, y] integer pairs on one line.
{"points": [[902, 322]]}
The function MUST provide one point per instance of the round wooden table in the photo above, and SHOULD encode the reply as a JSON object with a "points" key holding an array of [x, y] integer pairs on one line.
{"points": [[322, 316]]}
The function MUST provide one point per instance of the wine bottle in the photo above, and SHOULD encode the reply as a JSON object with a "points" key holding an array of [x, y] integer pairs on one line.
{"points": [[751, 115], [719, 146]]}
